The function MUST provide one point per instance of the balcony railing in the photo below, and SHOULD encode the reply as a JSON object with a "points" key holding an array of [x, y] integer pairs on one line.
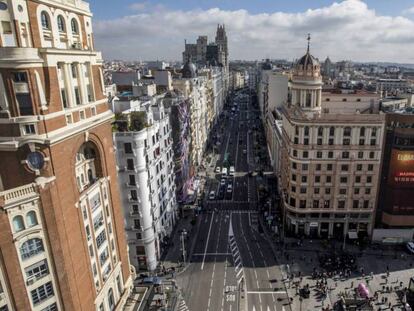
{"points": [[20, 193]]}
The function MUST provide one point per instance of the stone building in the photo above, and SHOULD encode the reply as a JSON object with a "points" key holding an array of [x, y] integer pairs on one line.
{"points": [[62, 240]]}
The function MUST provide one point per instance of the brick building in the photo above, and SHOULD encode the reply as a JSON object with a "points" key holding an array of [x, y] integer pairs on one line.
{"points": [[62, 243]]}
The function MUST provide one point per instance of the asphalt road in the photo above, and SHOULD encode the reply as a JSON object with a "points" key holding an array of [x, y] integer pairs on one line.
{"points": [[232, 266]]}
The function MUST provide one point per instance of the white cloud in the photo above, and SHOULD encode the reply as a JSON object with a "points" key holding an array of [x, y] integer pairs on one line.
{"points": [[346, 30], [409, 11]]}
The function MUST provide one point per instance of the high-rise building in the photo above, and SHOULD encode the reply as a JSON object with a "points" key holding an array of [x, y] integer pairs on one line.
{"points": [[221, 41], [146, 173], [62, 241], [331, 151]]}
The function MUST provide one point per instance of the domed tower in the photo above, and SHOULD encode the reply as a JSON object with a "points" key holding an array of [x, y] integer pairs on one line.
{"points": [[306, 86], [189, 70]]}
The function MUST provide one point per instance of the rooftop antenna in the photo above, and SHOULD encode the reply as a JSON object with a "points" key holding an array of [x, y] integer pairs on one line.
{"points": [[309, 38]]}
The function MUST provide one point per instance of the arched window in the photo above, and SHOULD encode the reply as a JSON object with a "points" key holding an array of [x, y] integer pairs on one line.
{"points": [[111, 299], [74, 26], [31, 219], [31, 248], [306, 131], [61, 23], [45, 20], [18, 224]]}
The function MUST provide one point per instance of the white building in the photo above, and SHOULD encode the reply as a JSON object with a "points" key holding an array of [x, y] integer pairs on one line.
{"points": [[146, 178]]}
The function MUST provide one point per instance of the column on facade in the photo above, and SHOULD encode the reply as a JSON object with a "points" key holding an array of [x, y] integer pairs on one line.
{"points": [[68, 85], [82, 83]]}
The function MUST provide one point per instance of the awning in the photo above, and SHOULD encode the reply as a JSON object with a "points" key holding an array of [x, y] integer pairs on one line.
{"points": [[353, 235], [313, 224]]}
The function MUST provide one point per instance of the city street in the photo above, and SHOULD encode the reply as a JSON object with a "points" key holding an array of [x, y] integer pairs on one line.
{"points": [[232, 266]]}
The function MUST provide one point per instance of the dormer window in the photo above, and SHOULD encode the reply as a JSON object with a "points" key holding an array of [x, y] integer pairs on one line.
{"points": [[74, 26], [45, 21], [61, 23]]}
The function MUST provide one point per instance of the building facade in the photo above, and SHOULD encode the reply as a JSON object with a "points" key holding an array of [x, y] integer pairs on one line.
{"points": [[62, 226], [146, 175], [329, 173]]}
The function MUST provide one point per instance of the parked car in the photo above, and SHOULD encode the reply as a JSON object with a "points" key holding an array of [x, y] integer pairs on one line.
{"points": [[222, 182], [231, 171], [212, 195], [244, 151], [229, 188], [218, 169], [224, 172]]}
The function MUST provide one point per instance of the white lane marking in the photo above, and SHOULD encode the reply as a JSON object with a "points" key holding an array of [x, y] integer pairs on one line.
{"points": [[212, 254], [256, 292], [208, 240]]}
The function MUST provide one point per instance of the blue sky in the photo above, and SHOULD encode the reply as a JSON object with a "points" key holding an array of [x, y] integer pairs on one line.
{"points": [[371, 30], [104, 9]]}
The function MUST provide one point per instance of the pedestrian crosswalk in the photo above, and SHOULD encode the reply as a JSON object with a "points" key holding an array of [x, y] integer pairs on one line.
{"points": [[182, 306]]}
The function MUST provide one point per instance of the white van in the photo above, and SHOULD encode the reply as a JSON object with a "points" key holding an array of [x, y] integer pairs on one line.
{"points": [[231, 172], [224, 172]]}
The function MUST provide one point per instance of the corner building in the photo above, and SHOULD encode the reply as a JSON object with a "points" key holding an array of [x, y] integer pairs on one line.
{"points": [[62, 242], [330, 159]]}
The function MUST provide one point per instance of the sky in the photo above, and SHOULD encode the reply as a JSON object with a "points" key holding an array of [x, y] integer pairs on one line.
{"points": [[358, 30]]}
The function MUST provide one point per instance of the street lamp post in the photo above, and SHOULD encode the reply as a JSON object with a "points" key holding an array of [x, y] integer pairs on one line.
{"points": [[183, 236]]}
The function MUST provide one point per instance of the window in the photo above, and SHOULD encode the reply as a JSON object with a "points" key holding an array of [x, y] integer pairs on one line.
{"points": [[366, 204], [344, 167], [303, 190], [36, 271], [329, 167], [369, 179], [100, 239], [330, 141], [31, 248], [370, 167], [293, 177], [82, 115], [29, 129], [346, 141], [61, 23], [64, 100], [357, 179], [373, 142], [45, 20], [318, 167], [374, 132], [316, 191], [360, 154], [77, 96], [74, 71], [306, 130], [341, 204], [295, 153], [296, 140], [331, 131], [293, 189], [137, 224], [327, 190], [345, 155], [326, 204], [103, 257], [302, 204], [119, 284], [356, 190], [343, 180], [371, 154], [306, 141], [361, 141], [320, 131], [52, 307], [355, 204], [304, 167], [31, 219], [362, 131], [330, 154], [74, 26], [319, 154], [347, 132], [319, 141], [359, 167], [132, 181], [304, 179], [111, 299], [42, 293], [128, 148], [296, 130], [315, 204], [328, 179], [342, 191], [18, 224], [294, 165], [305, 154], [317, 179], [292, 202], [130, 164], [367, 190]]}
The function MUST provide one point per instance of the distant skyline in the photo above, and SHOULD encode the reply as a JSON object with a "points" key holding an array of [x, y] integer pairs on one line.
{"points": [[370, 31]]}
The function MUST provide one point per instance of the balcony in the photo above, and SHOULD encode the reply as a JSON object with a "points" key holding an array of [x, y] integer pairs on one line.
{"points": [[19, 55], [18, 194]]}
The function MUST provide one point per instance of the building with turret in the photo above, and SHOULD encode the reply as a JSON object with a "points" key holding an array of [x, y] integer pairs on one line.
{"points": [[62, 241]]}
